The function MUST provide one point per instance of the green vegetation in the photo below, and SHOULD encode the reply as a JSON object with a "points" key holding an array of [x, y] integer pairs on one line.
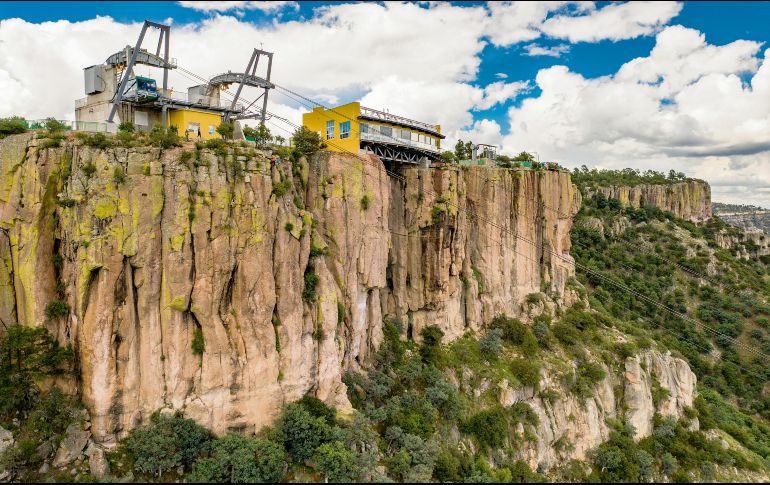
{"points": [[261, 135], [365, 201], [198, 344], [164, 137], [225, 130], [12, 126], [584, 177], [57, 309]]}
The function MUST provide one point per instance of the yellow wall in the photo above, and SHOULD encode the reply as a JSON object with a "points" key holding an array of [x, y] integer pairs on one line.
{"points": [[181, 117], [316, 121]]}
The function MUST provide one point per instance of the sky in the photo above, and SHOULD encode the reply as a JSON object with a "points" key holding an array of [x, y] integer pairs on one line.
{"points": [[647, 85]]}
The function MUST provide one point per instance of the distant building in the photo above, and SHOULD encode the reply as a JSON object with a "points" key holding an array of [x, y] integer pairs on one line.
{"points": [[394, 139], [143, 105]]}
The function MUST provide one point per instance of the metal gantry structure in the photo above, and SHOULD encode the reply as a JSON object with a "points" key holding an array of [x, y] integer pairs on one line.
{"points": [[165, 34], [249, 78]]}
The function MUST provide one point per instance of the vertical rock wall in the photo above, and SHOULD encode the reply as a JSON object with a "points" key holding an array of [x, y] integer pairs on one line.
{"points": [[281, 274], [689, 200]]}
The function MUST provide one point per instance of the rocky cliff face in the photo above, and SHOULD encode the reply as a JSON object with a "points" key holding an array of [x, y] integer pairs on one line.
{"points": [[226, 285], [569, 427], [689, 200]]}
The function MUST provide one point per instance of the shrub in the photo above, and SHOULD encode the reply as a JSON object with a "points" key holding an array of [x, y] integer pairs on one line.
{"points": [[336, 462], [491, 342], [526, 371], [66, 202], [55, 126], [96, 140], [365, 201], [289, 227], [56, 309], [167, 443], [306, 141], [225, 130], [490, 427], [12, 126], [238, 459], [165, 137], [318, 408], [119, 176], [126, 127], [516, 333], [280, 188], [430, 350], [89, 169], [198, 344], [301, 432], [311, 282], [261, 134]]}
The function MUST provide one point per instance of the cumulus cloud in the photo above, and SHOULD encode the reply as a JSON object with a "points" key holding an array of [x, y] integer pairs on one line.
{"points": [[553, 51], [225, 6], [684, 106], [614, 22]]}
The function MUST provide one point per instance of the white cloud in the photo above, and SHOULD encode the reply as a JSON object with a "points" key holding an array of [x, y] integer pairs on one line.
{"points": [[615, 22], [500, 92], [553, 51], [225, 6], [684, 107], [501, 75]]}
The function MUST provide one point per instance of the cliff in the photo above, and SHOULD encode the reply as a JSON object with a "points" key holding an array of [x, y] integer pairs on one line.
{"points": [[690, 200], [226, 285]]}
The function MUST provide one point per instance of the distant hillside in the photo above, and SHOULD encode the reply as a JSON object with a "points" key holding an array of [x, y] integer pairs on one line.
{"points": [[746, 217]]}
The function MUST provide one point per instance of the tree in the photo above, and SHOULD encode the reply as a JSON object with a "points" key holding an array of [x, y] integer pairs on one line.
{"points": [[164, 137], [12, 126], [523, 157], [54, 125], [463, 150], [226, 129], [27, 354], [167, 443], [300, 432], [306, 141], [279, 140], [238, 459], [448, 157], [431, 343], [336, 462]]}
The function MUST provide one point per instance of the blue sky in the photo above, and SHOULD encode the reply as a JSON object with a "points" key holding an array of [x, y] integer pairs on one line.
{"points": [[674, 85]]}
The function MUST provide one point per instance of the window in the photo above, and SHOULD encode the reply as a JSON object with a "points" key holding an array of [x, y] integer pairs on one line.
{"points": [[386, 131], [345, 130], [193, 127], [330, 129], [363, 127], [406, 135], [212, 129]]}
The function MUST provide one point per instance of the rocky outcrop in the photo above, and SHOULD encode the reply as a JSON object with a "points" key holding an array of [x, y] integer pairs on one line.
{"points": [[226, 285], [747, 243], [568, 427], [689, 200]]}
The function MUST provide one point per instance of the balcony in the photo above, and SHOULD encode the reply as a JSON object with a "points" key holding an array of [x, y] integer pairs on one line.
{"points": [[380, 138], [376, 115]]}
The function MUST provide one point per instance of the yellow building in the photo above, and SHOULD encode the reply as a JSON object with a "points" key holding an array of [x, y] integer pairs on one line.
{"points": [[193, 120], [354, 128]]}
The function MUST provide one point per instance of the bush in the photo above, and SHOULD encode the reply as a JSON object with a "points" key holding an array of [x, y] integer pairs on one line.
{"points": [[225, 130], [490, 427], [318, 408], [89, 169], [365, 202], [165, 137], [280, 188], [55, 126], [167, 443], [306, 141], [301, 432], [126, 127], [198, 344], [12, 126], [336, 462], [311, 282], [119, 176], [56, 309], [491, 342], [96, 140], [516, 333], [261, 134], [430, 350], [238, 459], [526, 371]]}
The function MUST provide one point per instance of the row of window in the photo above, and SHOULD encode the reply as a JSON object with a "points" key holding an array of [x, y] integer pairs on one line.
{"points": [[344, 129], [386, 131]]}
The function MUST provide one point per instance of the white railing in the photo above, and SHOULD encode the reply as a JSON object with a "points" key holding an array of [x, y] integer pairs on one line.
{"points": [[376, 137], [387, 117]]}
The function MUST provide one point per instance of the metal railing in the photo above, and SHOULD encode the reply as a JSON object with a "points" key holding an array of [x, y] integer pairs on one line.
{"points": [[376, 137], [88, 126], [387, 117]]}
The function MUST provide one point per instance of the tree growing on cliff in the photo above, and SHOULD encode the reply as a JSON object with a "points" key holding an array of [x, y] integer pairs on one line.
{"points": [[238, 459], [226, 130], [12, 126], [306, 141]]}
